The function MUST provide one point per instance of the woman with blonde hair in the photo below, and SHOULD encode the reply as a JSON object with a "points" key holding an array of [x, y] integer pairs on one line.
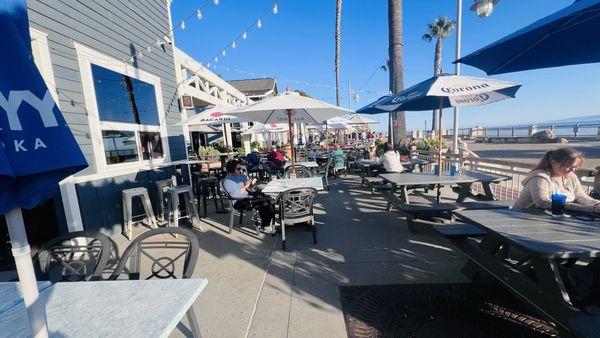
{"points": [[555, 174]]}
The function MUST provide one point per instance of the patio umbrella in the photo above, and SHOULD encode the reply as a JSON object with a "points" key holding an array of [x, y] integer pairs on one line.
{"points": [[292, 108], [445, 91], [33, 133], [259, 128], [357, 119], [214, 115], [560, 39]]}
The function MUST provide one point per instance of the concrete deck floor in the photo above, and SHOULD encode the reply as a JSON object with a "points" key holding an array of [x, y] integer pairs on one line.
{"points": [[257, 290]]}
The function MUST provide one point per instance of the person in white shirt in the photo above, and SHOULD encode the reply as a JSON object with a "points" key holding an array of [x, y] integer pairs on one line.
{"points": [[390, 160]]}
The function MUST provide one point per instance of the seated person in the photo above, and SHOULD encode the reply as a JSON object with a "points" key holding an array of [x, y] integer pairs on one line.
{"points": [[276, 156], [237, 186], [311, 154], [372, 153], [390, 160], [253, 163], [338, 158], [555, 174]]}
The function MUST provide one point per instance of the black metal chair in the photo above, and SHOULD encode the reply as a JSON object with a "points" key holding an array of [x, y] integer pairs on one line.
{"points": [[296, 206], [272, 170], [73, 257], [159, 254], [301, 171]]}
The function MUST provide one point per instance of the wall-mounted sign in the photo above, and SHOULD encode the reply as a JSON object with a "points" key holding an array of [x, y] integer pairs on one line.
{"points": [[187, 102]]}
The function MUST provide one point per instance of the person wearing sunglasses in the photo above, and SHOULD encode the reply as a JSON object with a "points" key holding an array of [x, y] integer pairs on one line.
{"points": [[240, 187], [555, 174]]}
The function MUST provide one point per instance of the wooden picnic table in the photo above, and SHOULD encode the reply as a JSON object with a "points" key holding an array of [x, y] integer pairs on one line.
{"points": [[549, 244], [401, 181]]}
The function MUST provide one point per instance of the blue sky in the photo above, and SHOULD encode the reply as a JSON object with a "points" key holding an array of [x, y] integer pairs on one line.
{"points": [[297, 44]]}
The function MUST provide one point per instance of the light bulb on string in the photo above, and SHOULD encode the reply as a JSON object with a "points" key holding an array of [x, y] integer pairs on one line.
{"points": [[223, 52], [140, 55], [149, 49], [233, 45], [199, 14], [131, 59], [182, 25], [216, 2], [259, 24], [216, 59], [244, 35], [208, 65], [275, 9]]}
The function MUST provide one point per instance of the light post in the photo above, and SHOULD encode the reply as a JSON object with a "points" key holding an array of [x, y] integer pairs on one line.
{"points": [[483, 9]]}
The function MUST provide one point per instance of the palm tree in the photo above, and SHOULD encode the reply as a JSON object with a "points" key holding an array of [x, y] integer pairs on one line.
{"points": [[439, 29], [338, 19], [397, 128]]}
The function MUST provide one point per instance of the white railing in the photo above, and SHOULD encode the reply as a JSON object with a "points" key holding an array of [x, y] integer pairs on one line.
{"points": [[515, 171]]}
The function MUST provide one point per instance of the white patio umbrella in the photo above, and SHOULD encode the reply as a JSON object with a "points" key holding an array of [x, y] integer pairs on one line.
{"points": [[211, 116], [259, 128], [292, 108], [357, 119]]}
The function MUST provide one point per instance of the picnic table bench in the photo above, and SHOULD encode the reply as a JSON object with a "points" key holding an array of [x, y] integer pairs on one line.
{"points": [[549, 245]]}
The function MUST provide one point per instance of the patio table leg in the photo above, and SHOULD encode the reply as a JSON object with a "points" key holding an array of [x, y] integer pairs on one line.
{"points": [[465, 189], [549, 279], [489, 244], [404, 195], [193, 320], [489, 194]]}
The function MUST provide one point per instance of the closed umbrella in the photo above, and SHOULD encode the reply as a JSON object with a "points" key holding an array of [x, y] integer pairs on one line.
{"points": [[445, 91], [211, 116], [560, 39], [292, 108], [33, 133]]}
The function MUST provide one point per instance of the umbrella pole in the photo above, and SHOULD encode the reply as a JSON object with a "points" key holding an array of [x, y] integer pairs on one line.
{"points": [[441, 139], [289, 114], [226, 141], [22, 254]]}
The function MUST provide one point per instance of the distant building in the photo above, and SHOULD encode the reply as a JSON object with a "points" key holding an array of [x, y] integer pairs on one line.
{"points": [[256, 89]]}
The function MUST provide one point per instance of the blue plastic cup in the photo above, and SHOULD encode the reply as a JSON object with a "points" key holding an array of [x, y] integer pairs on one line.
{"points": [[453, 170], [436, 169], [558, 203]]}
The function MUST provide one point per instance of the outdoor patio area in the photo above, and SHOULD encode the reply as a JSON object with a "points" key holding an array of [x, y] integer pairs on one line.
{"points": [[256, 289]]}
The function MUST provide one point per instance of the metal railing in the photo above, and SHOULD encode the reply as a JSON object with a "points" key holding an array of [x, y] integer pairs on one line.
{"points": [[515, 171]]}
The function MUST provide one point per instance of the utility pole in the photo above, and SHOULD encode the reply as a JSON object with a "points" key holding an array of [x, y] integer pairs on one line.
{"points": [[338, 19], [397, 126]]}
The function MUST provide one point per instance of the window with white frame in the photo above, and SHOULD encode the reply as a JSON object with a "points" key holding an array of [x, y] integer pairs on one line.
{"points": [[123, 99], [125, 111]]}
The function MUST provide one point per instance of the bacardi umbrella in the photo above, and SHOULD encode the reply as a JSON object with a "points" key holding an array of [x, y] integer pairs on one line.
{"points": [[211, 116], [560, 39], [292, 108], [33, 133], [445, 91]]}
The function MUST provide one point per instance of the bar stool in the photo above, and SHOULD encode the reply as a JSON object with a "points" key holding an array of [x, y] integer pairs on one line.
{"points": [[128, 195], [206, 186], [190, 204], [162, 187]]}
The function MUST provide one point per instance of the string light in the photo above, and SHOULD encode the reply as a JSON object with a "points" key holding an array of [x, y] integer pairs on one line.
{"points": [[216, 59], [275, 9], [149, 49], [216, 2], [223, 52], [259, 24], [199, 14], [244, 35], [182, 25], [233, 45]]}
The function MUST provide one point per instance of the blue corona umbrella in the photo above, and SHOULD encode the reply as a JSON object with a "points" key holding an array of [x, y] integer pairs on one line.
{"points": [[38, 149], [560, 39], [442, 92]]}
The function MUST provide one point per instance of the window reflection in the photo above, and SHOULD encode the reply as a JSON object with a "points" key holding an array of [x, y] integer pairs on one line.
{"points": [[122, 98], [119, 146], [151, 145]]}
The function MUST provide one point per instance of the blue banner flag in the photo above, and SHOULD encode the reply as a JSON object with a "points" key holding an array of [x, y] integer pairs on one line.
{"points": [[37, 148]]}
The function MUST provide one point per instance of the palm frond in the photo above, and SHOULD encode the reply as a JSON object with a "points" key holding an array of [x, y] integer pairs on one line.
{"points": [[427, 37]]}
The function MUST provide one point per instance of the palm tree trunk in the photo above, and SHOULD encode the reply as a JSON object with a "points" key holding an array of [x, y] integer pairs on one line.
{"points": [[338, 19], [437, 70], [397, 129]]}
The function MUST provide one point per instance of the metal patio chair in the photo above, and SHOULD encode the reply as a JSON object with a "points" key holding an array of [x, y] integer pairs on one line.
{"points": [[296, 206], [301, 171], [73, 257], [233, 212]]}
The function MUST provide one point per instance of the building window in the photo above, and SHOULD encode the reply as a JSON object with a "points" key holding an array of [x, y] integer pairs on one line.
{"points": [[121, 98], [151, 145], [120, 146]]}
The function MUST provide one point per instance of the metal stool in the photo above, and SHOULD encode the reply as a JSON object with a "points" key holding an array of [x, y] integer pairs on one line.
{"points": [[128, 195], [190, 204], [162, 187], [206, 186]]}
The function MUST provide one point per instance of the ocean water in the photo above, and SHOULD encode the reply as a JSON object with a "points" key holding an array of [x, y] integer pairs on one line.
{"points": [[586, 128]]}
